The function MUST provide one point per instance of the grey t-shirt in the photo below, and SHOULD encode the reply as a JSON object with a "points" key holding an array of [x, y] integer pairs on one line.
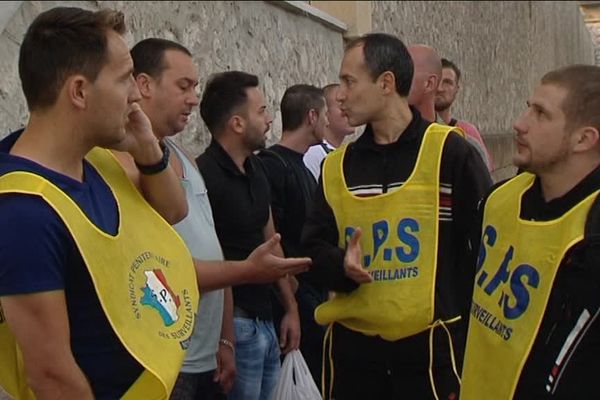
{"points": [[197, 230]]}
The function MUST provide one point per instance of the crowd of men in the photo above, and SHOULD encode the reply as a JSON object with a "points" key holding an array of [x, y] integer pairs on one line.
{"points": [[129, 269]]}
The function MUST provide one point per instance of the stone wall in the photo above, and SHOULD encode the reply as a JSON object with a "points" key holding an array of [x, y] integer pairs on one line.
{"points": [[281, 47], [591, 12], [595, 31], [502, 48]]}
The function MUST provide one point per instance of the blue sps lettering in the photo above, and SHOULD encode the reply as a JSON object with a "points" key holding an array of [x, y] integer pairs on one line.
{"points": [[502, 274], [520, 291], [380, 234], [405, 226], [348, 234], [488, 238]]}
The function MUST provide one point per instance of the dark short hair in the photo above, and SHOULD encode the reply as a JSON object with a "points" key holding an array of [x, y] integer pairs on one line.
{"points": [[582, 103], [148, 56], [383, 52], [62, 42], [296, 102], [223, 94], [327, 89], [449, 64]]}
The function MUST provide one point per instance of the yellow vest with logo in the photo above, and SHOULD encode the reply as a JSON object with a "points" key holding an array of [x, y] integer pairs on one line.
{"points": [[517, 264], [143, 276], [399, 246]]}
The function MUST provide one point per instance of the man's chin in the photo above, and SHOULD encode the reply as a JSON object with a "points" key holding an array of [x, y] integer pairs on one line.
{"points": [[442, 107], [521, 164], [356, 122], [260, 146]]}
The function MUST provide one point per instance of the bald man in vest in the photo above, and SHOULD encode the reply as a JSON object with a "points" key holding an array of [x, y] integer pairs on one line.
{"points": [[426, 78], [424, 88]]}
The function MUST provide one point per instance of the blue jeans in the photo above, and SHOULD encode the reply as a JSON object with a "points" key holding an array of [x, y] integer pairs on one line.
{"points": [[256, 358]]}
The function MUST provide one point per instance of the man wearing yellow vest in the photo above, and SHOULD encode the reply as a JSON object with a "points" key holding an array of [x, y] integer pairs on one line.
{"points": [[97, 292], [389, 234], [533, 330]]}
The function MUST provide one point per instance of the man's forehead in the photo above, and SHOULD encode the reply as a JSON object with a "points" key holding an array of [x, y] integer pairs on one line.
{"points": [[116, 43], [255, 96], [448, 72], [548, 96], [331, 94], [353, 62], [176, 59], [117, 52], [354, 55]]}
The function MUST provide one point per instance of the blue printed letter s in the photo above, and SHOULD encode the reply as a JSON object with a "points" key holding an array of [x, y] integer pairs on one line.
{"points": [[517, 286], [405, 226]]}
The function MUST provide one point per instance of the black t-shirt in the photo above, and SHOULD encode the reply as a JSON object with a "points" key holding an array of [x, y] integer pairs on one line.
{"points": [[240, 206], [575, 294], [292, 189]]}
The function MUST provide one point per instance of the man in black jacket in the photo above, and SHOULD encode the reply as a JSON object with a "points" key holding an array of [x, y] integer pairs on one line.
{"points": [[304, 120], [389, 232], [533, 332]]}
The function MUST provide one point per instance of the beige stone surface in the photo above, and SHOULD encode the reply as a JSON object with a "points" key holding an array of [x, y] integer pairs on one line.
{"points": [[502, 48], [281, 47], [355, 14]]}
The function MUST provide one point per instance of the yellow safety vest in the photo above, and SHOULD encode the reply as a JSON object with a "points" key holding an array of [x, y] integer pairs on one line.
{"points": [[144, 278], [517, 264], [399, 245]]}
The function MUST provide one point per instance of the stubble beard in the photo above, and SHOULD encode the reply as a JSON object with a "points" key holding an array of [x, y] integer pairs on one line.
{"points": [[551, 164], [442, 106]]}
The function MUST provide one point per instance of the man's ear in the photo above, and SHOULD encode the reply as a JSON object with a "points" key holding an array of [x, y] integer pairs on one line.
{"points": [[237, 124], [585, 138], [312, 117], [145, 84], [77, 89], [387, 82], [432, 83]]}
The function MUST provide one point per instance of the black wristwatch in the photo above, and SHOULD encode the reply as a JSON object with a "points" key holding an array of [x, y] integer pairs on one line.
{"points": [[159, 166]]}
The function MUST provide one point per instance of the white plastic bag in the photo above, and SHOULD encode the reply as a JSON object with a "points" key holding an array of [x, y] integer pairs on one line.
{"points": [[295, 381]]}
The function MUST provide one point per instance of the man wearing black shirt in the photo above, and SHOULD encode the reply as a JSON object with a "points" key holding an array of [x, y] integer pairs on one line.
{"points": [[533, 332], [233, 108], [411, 189], [304, 120]]}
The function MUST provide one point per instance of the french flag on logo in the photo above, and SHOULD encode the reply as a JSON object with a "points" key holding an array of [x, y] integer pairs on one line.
{"points": [[159, 295]]}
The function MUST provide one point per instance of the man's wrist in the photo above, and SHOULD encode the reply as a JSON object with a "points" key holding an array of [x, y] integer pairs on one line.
{"points": [[291, 306], [246, 271], [156, 166], [148, 152], [227, 343]]}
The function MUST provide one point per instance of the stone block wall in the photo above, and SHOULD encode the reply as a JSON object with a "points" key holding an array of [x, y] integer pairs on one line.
{"points": [[595, 31], [502, 48], [281, 47]]}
